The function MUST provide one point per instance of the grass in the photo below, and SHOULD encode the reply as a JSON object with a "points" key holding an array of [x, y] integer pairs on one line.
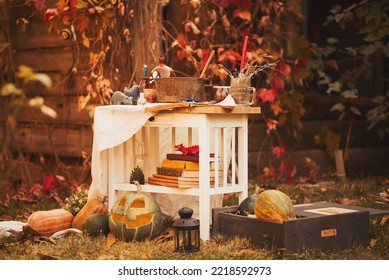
{"points": [[364, 192]]}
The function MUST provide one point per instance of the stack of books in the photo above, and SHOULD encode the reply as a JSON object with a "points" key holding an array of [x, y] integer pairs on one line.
{"points": [[181, 171]]}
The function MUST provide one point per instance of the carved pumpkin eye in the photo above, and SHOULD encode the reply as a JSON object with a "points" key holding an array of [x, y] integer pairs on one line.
{"points": [[138, 203]]}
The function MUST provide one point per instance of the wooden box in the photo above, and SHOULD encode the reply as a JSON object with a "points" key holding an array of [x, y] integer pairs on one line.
{"points": [[321, 226]]}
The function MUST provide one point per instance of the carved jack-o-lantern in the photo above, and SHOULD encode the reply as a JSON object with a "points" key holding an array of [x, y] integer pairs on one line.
{"points": [[135, 217]]}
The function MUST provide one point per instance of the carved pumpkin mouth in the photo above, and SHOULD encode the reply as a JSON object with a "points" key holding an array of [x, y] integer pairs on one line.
{"points": [[141, 219]]}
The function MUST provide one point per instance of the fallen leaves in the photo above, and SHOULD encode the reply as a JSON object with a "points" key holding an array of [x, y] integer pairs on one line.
{"points": [[384, 220], [168, 235], [111, 239]]}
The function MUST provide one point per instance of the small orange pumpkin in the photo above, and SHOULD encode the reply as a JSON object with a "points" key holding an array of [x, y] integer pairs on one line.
{"points": [[51, 221], [93, 206], [274, 205]]}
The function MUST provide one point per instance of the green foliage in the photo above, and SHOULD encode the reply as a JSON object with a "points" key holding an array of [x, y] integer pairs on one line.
{"points": [[76, 201], [378, 117], [329, 139], [336, 76]]}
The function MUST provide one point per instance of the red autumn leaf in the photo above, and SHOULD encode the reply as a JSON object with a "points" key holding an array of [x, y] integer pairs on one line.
{"points": [[277, 82], [231, 56], [287, 170], [82, 23], [181, 54], [40, 4], [73, 3], [267, 95], [51, 182], [269, 173], [50, 14], [181, 40], [280, 150], [245, 4], [225, 3], [298, 63], [271, 125], [284, 68]]}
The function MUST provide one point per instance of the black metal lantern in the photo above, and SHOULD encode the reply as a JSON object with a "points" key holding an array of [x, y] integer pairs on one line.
{"points": [[186, 232]]}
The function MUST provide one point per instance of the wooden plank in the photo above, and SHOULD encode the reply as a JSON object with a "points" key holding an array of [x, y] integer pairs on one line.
{"points": [[63, 84], [327, 232], [45, 60], [259, 232], [36, 35], [66, 108], [60, 140]]}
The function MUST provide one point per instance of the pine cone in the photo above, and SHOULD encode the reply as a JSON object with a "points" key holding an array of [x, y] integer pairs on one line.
{"points": [[137, 175]]}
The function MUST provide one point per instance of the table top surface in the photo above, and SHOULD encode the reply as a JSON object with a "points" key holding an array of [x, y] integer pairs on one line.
{"points": [[199, 108]]}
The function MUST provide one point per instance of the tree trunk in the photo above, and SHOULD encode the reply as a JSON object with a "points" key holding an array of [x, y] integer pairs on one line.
{"points": [[146, 36]]}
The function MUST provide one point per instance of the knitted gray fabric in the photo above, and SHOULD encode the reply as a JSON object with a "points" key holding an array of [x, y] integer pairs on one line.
{"points": [[119, 98]]}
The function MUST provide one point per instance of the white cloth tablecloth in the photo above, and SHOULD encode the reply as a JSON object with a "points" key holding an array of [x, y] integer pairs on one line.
{"points": [[113, 125]]}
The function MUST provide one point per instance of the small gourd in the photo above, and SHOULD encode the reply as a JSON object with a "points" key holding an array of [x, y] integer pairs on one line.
{"points": [[96, 225], [93, 206], [50, 221], [274, 205], [246, 207]]}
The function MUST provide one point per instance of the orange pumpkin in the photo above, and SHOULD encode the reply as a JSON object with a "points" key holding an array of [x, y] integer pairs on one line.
{"points": [[274, 205], [93, 206], [51, 221]]}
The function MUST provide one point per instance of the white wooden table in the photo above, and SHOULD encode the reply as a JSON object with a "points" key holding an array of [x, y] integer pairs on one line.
{"points": [[216, 130]]}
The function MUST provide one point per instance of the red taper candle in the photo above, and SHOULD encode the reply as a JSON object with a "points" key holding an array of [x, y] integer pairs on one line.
{"points": [[244, 52]]}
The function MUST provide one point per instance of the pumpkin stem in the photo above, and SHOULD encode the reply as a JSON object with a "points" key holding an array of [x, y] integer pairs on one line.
{"points": [[138, 187]]}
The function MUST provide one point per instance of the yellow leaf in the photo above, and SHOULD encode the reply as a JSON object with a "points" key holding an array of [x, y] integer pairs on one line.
{"points": [[43, 79], [85, 40], [49, 111], [25, 72], [36, 101], [276, 108], [82, 102], [10, 89], [93, 58], [82, 5]]}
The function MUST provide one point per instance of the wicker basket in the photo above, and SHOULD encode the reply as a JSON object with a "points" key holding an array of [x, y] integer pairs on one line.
{"points": [[175, 89]]}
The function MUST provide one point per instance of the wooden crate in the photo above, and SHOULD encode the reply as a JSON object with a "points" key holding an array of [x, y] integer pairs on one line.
{"points": [[321, 226]]}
